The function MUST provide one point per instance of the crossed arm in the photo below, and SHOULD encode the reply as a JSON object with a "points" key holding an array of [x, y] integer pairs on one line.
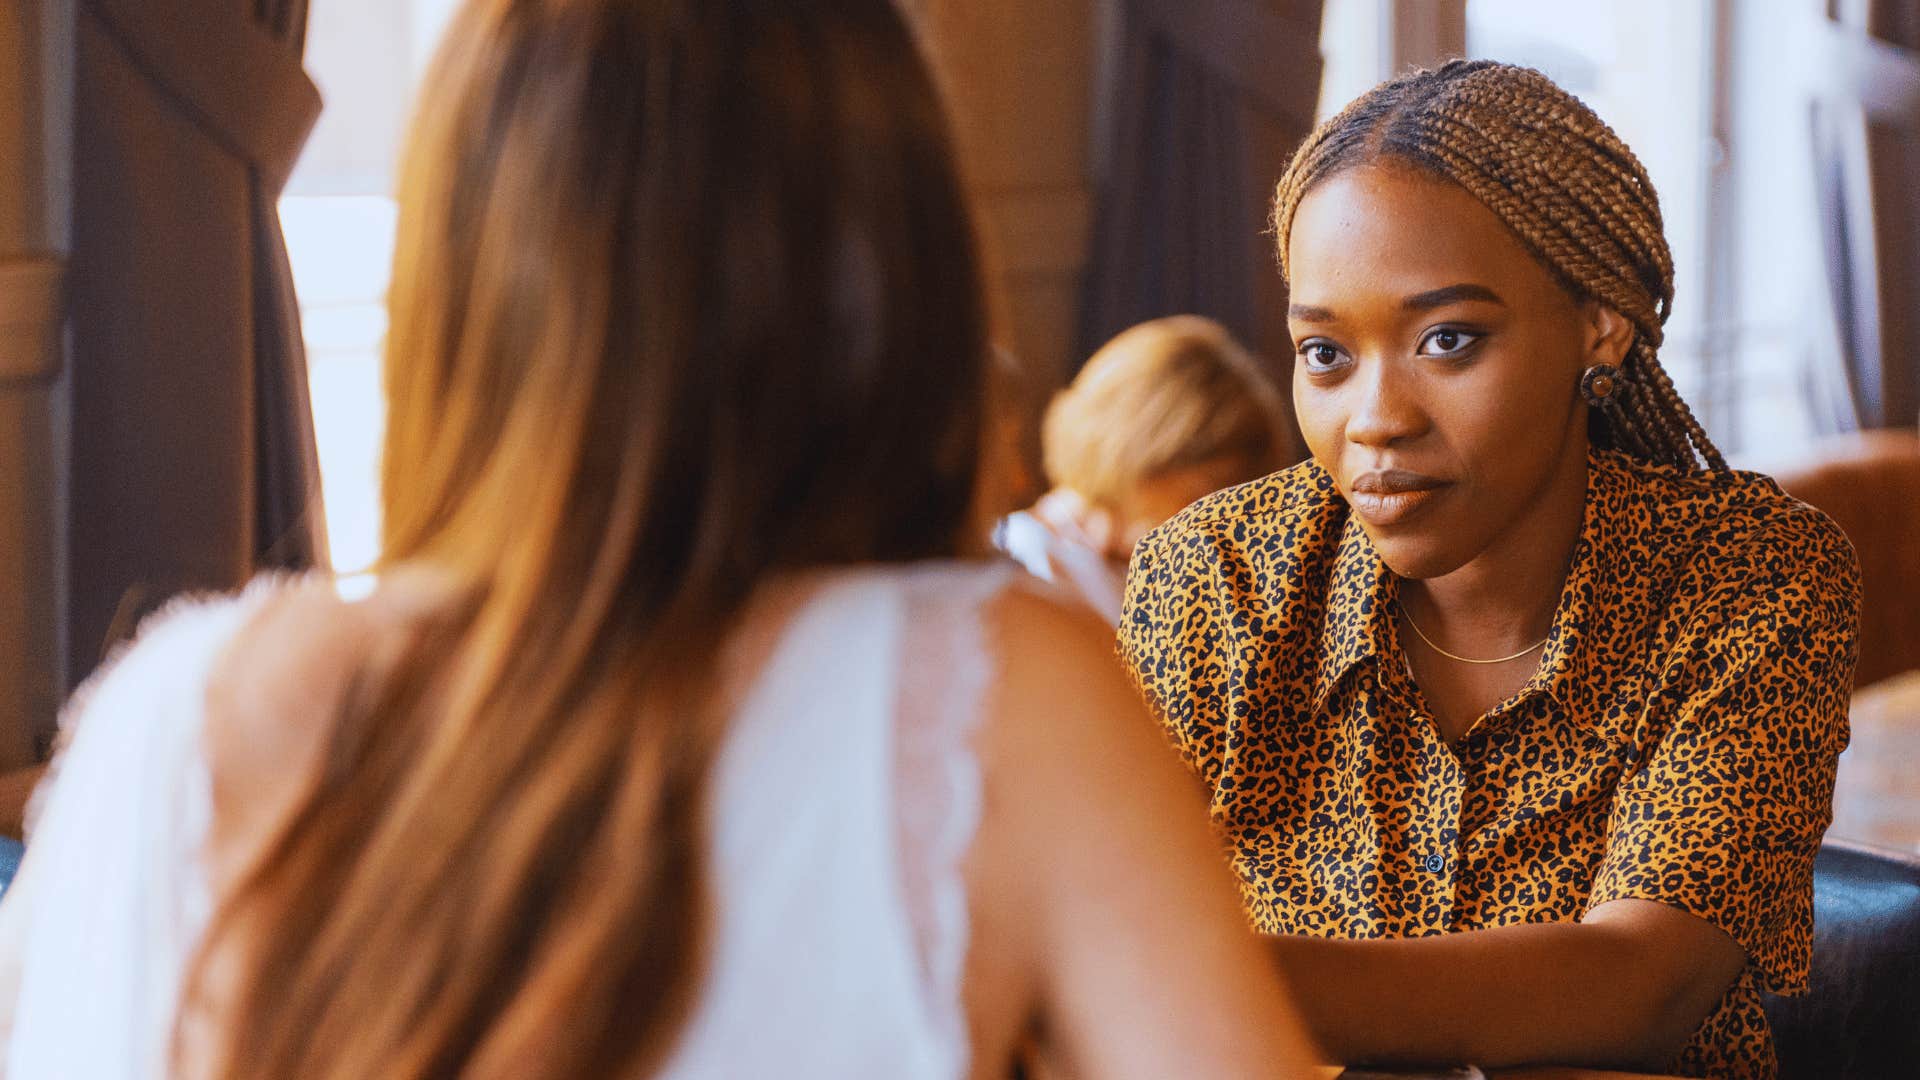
{"points": [[1624, 988]]}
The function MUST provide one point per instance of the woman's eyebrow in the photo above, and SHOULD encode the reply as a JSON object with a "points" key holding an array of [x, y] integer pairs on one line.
{"points": [[1450, 294], [1432, 298]]}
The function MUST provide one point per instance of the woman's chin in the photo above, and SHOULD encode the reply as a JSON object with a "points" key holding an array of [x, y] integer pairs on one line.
{"points": [[1417, 556]]}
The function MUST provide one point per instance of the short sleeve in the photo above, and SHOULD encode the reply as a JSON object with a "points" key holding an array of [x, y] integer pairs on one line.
{"points": [[1728, 809], [1170, 641]]}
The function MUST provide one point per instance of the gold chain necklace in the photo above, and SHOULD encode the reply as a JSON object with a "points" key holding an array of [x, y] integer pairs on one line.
{"points": [[1467, 660]]}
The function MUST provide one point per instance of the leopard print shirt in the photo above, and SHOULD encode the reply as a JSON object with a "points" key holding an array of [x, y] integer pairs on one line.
{"points": [[1677, 742]]}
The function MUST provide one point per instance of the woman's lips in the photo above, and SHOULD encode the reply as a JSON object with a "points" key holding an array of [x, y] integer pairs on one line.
{"points": [[1391, 497]]}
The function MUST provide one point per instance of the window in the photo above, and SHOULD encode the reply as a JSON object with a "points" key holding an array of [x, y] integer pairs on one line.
{"points": [[338, 214], [1711, 97], [1642, 65]]}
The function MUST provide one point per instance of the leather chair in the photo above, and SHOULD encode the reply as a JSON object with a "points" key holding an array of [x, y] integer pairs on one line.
{"points": [[1860, 1019], [1869, 484]]}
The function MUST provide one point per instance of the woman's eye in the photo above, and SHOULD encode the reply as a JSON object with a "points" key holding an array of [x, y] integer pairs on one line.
{"points": [[1447, 341], [1319, 356]]}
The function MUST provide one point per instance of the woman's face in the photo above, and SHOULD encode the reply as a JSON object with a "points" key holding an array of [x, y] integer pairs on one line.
{"points": [[1437, 367]]}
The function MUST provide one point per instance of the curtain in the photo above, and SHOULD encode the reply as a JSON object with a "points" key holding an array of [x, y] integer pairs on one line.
{"points": [[1203, 102], [192, 462], [1866, 127]]}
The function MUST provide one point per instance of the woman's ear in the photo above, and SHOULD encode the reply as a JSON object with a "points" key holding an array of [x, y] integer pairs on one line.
{"points": [[1609, 335]]}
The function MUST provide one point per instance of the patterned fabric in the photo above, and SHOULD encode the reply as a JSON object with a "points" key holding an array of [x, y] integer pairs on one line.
{"points": [[1676, 743]]}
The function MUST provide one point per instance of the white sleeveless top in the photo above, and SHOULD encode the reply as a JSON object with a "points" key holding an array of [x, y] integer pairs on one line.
{"points": [[845, 801]]}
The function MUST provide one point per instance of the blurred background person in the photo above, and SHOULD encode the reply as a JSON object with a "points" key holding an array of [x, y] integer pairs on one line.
{"points": [[1166, 412]]}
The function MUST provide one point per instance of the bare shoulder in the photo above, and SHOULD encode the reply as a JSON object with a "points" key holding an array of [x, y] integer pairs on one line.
{"points": [[1047, 719], [1096, 881], [284, 669], [1067, 746], [1051, 652], [285, 652], [275, 690], [1062, 706], [298, 653]]}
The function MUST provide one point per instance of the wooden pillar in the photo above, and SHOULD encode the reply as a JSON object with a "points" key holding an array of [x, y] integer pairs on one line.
{"points": [[1019, 77], [1425, 33], [35, 96]]}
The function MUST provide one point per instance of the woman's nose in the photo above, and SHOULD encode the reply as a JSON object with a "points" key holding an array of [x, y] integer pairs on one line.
{"points": [[1384, 406]]}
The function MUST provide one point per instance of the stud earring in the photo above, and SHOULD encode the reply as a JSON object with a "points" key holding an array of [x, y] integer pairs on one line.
{"points": [[1599, 383]]}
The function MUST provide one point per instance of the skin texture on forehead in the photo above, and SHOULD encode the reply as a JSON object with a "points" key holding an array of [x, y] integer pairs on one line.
{"points": [[1388, 263]]}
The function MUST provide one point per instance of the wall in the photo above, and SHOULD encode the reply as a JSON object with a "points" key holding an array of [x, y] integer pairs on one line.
{"points": [[1020, 79], [35, 53]]}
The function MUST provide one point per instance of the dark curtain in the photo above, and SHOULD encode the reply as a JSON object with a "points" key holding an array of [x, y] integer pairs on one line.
{"points": [[1867, 159], [193, 463], [1205, 101]]}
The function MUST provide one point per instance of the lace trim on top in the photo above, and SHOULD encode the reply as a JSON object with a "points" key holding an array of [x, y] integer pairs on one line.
{"points": [[946, 668]]}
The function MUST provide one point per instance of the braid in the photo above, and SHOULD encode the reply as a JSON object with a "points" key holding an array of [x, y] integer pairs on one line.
{"points": [[1569, 188]]}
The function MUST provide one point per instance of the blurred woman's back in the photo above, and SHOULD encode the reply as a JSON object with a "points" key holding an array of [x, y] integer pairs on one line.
{"points": [[673, 739]]}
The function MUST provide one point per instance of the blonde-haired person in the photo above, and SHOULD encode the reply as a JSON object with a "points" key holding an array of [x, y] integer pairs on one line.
{"points": [[1520, 708], [675, 740], [1168, 411]]}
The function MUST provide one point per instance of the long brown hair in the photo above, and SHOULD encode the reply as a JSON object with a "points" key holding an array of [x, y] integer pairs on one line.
{"points": [[1568, 187], [685, 293]]}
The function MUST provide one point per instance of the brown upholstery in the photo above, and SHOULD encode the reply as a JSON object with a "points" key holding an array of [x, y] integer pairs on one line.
{"points": [[1876, 796], [1869, 484], [1860, 1019]]}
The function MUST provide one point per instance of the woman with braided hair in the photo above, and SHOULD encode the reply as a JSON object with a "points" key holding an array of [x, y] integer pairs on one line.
{"points": [[1519, 707]]}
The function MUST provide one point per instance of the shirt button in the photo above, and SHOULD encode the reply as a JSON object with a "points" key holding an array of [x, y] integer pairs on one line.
{"points": [[1434, 863]]}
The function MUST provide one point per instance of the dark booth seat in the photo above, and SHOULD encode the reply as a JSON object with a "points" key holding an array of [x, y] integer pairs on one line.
{"points": [[1861, 1016]]}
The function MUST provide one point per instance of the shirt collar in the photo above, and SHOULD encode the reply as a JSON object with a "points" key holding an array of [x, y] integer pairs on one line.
{"points": [[1591, 604], [1361, 599], [1359, 611]]}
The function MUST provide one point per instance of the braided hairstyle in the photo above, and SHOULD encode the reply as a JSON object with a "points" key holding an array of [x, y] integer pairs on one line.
{"points": [[1564, 183]]}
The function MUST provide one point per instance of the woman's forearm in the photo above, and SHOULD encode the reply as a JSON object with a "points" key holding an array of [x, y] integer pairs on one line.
{"points": [[1601, 994]]}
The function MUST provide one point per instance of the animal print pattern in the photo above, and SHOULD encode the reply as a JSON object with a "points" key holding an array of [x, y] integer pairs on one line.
{"points": [[1677, 742]]}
